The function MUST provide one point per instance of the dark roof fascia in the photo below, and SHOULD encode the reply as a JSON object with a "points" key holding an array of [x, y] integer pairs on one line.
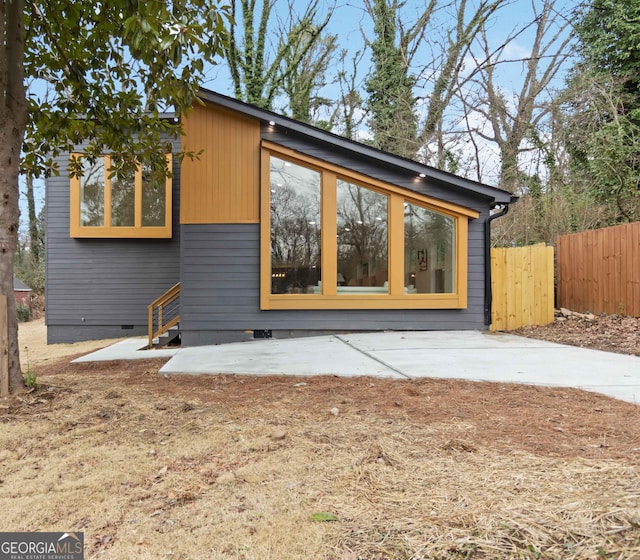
{"points": [[169, 117], [493, 194]]}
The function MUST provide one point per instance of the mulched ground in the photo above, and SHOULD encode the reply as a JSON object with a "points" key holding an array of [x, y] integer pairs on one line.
{"points": [[544, 420], [611, 333], [413, 469]]}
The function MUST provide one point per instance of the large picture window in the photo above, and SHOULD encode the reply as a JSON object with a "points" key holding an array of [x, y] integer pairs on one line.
{"points": [[128, 204], [295, 228], [363, 240], [334, 239]]}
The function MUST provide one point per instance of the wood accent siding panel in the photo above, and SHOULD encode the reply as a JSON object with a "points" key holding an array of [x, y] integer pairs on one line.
{"points": [[95, 286], [222, 184], [221, 292]]}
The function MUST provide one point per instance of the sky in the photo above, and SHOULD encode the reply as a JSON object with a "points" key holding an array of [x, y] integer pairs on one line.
{"points": [[351, 24], [510, 25]]}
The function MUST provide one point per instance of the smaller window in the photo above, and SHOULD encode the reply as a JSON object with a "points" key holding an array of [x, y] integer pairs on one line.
{"points": [[92, 194], [429, 251], [123, 199], [127, 204]]}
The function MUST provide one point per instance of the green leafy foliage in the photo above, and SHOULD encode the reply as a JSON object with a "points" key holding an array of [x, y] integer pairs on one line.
{"points": [[103, 73], [99, 75], [302, 86], [323, 516], [609, 35], [294, 62], [23, 312], [601, 106], [392, 102]]}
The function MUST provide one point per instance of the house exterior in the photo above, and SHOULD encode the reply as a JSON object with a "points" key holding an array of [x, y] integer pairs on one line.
{"points": [[21, 293], [277, 229]]}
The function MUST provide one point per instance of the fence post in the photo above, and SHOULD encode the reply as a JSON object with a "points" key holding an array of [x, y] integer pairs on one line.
{"points": [[4, 347]]}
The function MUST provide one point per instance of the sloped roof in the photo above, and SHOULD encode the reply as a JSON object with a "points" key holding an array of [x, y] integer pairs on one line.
{"points": [[493, 194], [19, 286]]}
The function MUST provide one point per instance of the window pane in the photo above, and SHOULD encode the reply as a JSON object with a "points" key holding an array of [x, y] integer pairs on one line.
{"points": [[92, 193], [362, 240], [154, 202], [429, 247], [295, 228], [123, 199]]}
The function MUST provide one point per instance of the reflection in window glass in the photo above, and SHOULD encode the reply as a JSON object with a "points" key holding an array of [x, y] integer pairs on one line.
{"points": [[362, 240], [295, 228], [92, 193], [429, 247], [123, 199], [154, 202]]}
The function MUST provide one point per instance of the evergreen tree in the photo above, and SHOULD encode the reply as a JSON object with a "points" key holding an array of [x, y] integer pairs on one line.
{"points": [[260, 70], [390, 86]]}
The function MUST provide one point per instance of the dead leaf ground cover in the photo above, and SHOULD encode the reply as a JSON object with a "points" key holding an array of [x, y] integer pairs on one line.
{"points": [[212, 467], [611, 333]]}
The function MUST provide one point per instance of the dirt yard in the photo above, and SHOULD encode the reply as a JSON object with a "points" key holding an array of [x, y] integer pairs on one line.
{"points": [[233, 467]]}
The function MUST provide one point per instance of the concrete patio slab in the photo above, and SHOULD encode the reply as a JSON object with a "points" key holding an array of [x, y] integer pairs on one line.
{"points": [[467, 355], [554, 366], [129, 349], [323, 355], [400, 340]]}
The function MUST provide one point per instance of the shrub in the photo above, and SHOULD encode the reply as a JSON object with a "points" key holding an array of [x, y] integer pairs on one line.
{"points": [[23, 312]]}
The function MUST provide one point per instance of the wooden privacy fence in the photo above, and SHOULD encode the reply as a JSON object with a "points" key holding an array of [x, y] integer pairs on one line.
{"points": [[599, 270], [522, 286]]}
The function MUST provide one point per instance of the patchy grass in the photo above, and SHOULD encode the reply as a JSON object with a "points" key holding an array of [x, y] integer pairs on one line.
{"points": [[213, 467]]}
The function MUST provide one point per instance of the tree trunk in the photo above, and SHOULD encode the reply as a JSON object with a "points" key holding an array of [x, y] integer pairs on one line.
{"points": [[34, 233], [13, 112], [8, 240], [509, 171]]}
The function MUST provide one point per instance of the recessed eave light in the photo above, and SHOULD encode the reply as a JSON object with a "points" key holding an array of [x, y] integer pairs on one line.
{"points": [[422, 175], [272, 123]]}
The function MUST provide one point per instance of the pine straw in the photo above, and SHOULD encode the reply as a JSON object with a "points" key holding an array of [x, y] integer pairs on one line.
{"points": [[456, 501], [155, 468]]}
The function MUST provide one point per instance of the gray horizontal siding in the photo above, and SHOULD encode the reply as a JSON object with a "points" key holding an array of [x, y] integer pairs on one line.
{"points": [[95, 287], [57, 334], [220, 293]]}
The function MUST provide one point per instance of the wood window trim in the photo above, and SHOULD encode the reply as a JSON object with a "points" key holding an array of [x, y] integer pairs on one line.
{"points": [[77, 230], [368, 182], [329, 299]]}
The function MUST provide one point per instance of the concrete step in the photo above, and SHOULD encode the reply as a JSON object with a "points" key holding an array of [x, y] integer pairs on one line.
{"points": [[167, 338]]}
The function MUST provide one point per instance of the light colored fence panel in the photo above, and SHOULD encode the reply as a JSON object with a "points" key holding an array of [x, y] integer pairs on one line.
{"points": [[599, 270], [522, 286]]}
